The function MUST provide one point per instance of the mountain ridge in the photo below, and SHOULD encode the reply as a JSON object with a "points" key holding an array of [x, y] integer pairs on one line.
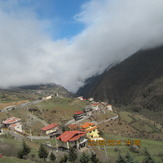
{"points": [[137, 80]]}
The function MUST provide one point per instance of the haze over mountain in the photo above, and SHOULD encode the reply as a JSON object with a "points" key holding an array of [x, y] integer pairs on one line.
{"points": [[138, 80], [112, 31]]}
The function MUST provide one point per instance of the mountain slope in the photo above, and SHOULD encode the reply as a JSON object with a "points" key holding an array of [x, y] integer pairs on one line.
{"points": [[137, 80]]}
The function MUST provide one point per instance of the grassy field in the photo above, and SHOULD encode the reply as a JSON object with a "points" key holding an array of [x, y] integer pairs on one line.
{"points": [[59, 110], [14, 160], [10, 147], [154, 148], [143, 124]]}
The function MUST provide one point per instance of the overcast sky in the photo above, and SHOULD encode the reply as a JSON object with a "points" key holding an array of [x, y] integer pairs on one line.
{"points": [[68, 41]]}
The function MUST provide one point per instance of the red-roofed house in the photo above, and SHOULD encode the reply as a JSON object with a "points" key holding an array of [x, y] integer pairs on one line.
{"points": [[50, 129], [78, 115], [72, 138], [10, 121], [16, 126]]}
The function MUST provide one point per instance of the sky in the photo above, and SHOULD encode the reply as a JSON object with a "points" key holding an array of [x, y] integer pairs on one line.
{"points": [[67, 41]]}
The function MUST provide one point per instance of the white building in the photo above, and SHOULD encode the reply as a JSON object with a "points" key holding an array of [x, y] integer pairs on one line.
{"points": [[109, 107], [80, 98]]}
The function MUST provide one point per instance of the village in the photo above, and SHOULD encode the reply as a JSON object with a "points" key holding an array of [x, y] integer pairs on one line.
{"points": [[61, 124], [75, 133]]}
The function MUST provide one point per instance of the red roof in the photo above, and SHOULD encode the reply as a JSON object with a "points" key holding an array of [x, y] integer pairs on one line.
{"points": [[13, 125], [86, 125], [76, 137], [90, 129], [79, 112], [11, 120], [49, 127], [70, 136]]}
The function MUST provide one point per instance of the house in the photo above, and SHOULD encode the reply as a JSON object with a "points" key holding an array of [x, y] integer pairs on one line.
{"points": [[16, 126], [95, 106], [109, 107], [91, 99], [10, 121], [88, 110], [50, 129], [91, 130], [80, 98], [72, 139], [78, 115]]}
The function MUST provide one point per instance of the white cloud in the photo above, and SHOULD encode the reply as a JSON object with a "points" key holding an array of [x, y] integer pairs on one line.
{"points": [[114, 30]]}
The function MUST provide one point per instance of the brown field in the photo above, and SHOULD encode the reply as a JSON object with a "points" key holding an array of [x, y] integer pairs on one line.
{"points": [[3, 105]]}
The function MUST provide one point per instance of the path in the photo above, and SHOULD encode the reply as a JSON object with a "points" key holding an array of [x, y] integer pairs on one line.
{"points": [[37, 119], [20, 106]]}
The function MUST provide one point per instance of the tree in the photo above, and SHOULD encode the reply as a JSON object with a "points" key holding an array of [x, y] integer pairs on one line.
{"points": [[64, 159], [84, 158], [72, 156], [52, 156], [129, 158], [121, 159], [148, 158], [23, 153], [94, 159], [26, 149], [20, 154], [42, 153]]}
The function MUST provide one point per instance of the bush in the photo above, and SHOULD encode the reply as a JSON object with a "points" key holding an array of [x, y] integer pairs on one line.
{"points": [[72, 156], [84, 158], [42, 153], [52, 156], [23, 153]]}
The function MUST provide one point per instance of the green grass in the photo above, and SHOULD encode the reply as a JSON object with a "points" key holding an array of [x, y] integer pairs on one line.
{"points": [[126, 116], [13, 160], [154, 148], [62, 103], [140, 122], [8, 139]]}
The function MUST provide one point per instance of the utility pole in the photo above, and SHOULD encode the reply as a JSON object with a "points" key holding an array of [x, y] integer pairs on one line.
{"points": [[106, 153], [56, 144], [30, 134]]}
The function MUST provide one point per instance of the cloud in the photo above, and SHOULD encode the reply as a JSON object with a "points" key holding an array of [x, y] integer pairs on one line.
{"points": [[113, 31]]}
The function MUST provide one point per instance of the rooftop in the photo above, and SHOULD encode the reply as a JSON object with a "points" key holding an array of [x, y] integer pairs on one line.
{"points": [[49, 127], [70, 136], [11, 120], [86, 125], [79, 112]]}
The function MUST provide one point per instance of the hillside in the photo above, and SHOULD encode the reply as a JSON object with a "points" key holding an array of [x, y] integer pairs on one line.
{"points": [[137, 81], [46, 89], [32, 92], [61, 110]]}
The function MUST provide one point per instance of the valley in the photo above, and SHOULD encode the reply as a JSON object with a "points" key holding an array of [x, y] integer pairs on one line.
{"points": [[126, 126]]}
